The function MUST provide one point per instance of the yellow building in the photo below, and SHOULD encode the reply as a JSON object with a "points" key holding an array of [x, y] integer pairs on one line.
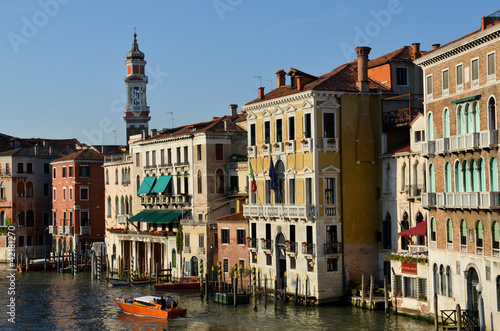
{"points": [[321, 136]]}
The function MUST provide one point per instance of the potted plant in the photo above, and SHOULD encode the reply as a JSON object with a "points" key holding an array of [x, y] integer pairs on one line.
{"points": [[353, 286], [275, 145], [264, 146], [304, 243], [250, 149], [288, 143], [332, 140], [262, 239], [287, 242], [303, 140]]}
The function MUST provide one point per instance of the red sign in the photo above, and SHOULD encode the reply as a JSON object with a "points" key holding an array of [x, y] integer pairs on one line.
{"points": [[409, 268]]}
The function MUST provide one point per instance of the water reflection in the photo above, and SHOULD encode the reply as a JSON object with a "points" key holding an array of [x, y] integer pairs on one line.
{"points": [[51, 301]]}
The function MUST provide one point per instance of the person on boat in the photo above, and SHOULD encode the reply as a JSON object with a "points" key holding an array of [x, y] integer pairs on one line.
{"points": [[163, 302], [130, 300], [169, 302]]}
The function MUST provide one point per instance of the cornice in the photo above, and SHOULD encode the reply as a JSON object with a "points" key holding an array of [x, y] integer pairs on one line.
{"points": [[278, 101]]}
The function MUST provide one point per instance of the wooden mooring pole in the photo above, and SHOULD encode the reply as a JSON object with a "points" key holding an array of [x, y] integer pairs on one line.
{"points": [[386, 302]]}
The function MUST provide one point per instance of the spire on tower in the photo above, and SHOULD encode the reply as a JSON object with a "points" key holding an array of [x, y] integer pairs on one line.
{"points": [[135, 53]]}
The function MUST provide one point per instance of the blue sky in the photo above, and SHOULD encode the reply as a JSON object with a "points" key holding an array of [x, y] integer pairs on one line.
{"points": [[62, 65]]}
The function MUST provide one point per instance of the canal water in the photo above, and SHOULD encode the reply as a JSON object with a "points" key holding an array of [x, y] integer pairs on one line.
{"points": [[51, 301]]}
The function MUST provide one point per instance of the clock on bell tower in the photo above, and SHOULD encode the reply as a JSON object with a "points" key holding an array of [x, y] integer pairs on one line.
{"points": [[137, 110]]}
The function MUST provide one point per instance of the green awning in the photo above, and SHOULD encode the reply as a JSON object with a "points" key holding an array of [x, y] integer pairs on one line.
{"points": [[476, 97], [161, 184], [146, 185], [156, 216]]}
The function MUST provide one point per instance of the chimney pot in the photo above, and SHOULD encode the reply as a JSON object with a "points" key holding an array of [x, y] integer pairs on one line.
{"points": [[300, 82], [261, 93], [234, 109], [363, 84], [416, 50], [154, 132], [281, 78], [435, 46]]}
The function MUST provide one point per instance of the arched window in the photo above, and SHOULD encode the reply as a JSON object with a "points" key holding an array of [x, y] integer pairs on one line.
{"points": [[493, 175], [2, 218], [405, 225], [482, 175], [174, 258], [442, 275], [492, 115], [449, 231], [458, 177], [468, 119], [20, 219], [116, 176], [2, 190], [495, 237], [107, 177], [449, 282], [475, 111], [446, 123], [435, 276], [430, 127], [404, 178], [433, 229], [280, 177], [459, 121], [463, 232], [447, 177], [479, 234], [122, 205], [466, 174], [109, 207], [137, 183], [186, 182], [219, 181], [123, 176], [179, 184], [474, 176], [130, 212], [20, 189], [432, 187], [200, 184], [29, 189], [117, 207]]}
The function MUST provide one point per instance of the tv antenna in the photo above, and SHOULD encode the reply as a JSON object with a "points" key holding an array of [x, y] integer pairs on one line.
{"points": [[115, 135], [171, 116], [260, 79], [270, 82]]}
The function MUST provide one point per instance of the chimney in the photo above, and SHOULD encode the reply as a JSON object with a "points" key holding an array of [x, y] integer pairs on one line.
{"points": [[363, 84], [416, 51], [154, 132], [226, 125], [300, 82], [144, 134], [234, 109], [261, 93], [435, 46], [281, 78], [36, 149]]}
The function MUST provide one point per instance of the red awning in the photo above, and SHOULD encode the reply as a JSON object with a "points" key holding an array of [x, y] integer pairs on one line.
{"points": [[419, 230]]}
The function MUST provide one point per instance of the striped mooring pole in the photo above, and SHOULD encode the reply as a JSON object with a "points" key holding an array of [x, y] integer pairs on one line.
{"points": [[131, 271]]}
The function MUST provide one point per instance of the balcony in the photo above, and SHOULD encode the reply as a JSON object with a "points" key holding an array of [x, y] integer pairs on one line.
{"points": [[52, 229], [290, 146], [252, 243], [333, 248], [61, 229], [428, 148], [275, 211], [307, 145], [251, 151], [278, 147], [307, 248], [291, 247], [85, 230], [118, 158], [122, 219], [488, 139], [186, 249], [442, 145], [330, 211], [69, 230], [200, 250], [464, 142], [330, 144], [428, 200], [5, 173], [417, 249], [150, 166], [266, 149], [266, 244]]}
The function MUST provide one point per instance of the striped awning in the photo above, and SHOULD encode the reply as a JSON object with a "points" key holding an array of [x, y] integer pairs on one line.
{"points": [[147, 185]]}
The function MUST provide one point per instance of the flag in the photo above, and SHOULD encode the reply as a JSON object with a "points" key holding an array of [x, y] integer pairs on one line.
{"points": [[272, 175], [253, 184]]}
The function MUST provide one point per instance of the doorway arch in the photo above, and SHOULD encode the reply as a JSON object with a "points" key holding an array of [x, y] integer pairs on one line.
{"points": [[280, 260], [194, 266], [472, 294]]}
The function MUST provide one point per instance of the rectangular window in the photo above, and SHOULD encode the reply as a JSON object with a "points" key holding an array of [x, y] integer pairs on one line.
{"points": [[252, 134], [63, 172], [46, 219], [267, 132], [178, 155], [200, 216], [186, 154], [332, 264], [291, 128], [291, 191], [491, 67], [398, 286], [40, 240], [84, 171], [54, 195], [21, 241], [71, 193], [307, 126], [475, 72], [219, 151], [29, 168], [279, 130], [253, 197], [241, 236], [46, 189], [310, 265], [459, 71], [20, 168], [169, 156], [153, 158], [29, 241], [137, 159], [46, 168], [241, 264], [308, 191], [64, 193], [224, 236], [418, 136], [54, 173], [292, 233], [269, 259], [329, 125], [187, 240], [162, 157], [84, 193], [410, 287], [254, 257], [293, 262], [201, 240], [225, 265], [147, 159], [198, 152], [330, 191], [402, 76], [70, 174], [429, 86], [445, 76], [84, 218], [268, 191]]}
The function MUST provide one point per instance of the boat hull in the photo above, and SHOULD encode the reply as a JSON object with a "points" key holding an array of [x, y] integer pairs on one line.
{"points": [[154, 311], [120, 281], [178, 287]]}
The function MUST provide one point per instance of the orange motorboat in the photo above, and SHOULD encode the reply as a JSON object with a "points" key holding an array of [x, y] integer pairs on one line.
{"points": [[147, 306], [184, 284]]}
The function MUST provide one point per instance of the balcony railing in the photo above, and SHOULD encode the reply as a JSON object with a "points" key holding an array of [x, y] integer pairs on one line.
{"points": [[442, 145], [428, 148], [466, 200], [290, 146], [251, 151], [117, 158], [428, 200], [333, 248], [52, 229], [278, 147], [123, 218], [290, 211], [186, 249], [201, 250], [464, 142], [266, 244], [307, 144], [266, 149], [330, 211], [68, 230], [61, 229], [308, 248], [417, 248], [330, 144], [85, 230], [252, 243], [488, 139], [291, 247], [5, 173]]}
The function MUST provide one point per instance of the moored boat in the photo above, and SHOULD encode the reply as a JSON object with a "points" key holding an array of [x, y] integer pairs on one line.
{"points": [[124, 281], [148, 306], [184, 284], [37, 265]]}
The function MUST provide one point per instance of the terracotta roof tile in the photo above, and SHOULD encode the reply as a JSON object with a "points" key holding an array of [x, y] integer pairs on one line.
{"points": [[83, 155], [232, 217], [402, 147]]}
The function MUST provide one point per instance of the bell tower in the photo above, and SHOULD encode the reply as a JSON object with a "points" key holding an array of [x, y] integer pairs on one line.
{"points": [[137, 110]]}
